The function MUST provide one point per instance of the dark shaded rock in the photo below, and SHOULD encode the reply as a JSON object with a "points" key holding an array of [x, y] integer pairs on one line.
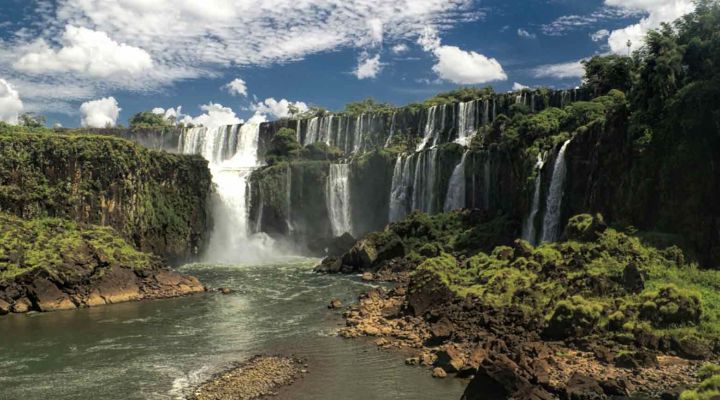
{"points": [[691, 347], [672, 393], [425, 292], [395, 248], [48, 297], [329, 265], [581, 387], [636, 360], [617, 387], [633, 279], [441, 330], [450, 359], [604, 354], [340, 245]]}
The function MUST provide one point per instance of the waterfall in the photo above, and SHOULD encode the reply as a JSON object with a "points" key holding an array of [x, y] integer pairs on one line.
{"points": [[288, 200], [553, 205], [467, 121], [402, 182], [529, 232], [429, 131], [455, 198], [231, 162], [357, 139], [338, 198], [423, 198]]}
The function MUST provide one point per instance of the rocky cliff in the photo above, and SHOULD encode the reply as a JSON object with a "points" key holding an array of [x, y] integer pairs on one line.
{"points": [[155, 200]]}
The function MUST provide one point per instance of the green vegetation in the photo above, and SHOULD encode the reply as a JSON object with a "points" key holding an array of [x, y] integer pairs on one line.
{"points": [[368, 105], [149, 120], [709, 387], [155, 200], [600, 281], [58, 246]]}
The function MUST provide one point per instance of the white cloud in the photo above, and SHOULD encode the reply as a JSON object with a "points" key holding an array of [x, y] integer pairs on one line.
{"points": [[599, 35], [237, 87], [368, 67], [214, 115], [460, 66], [257, 118], [85, 51], [569, 23], [525, 34], [658, 11], [171, 113], [375, 26], [278, 109], [573, 69], [100, 113], [519, 86], [10, 104], [400, 48]]}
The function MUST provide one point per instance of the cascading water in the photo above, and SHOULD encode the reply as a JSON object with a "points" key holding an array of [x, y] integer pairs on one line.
{"points": [[230, 240], [338, 198], [529, 231], [423, 198], [553, 207], [430, 127], [455, 198], [467, 121], [402, 181]]}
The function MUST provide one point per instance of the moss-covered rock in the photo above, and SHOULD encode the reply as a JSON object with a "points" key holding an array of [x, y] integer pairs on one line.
{"points": [[574, 317]]}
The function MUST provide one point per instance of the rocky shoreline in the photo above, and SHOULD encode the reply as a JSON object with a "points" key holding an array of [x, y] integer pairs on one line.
{"points": [[504, 361], [42, 291], [259, 377]]}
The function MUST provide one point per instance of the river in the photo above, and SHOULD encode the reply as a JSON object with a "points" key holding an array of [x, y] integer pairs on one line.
{"points": [[161, 349]]}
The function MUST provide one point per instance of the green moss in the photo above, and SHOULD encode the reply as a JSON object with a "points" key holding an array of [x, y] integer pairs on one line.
{"points": [[58, 246]]}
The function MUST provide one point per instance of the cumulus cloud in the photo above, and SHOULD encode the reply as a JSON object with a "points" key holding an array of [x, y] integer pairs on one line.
{"points": [[10, 104], [368, 67], [85, 51], [100, 113], [460, 66], [171, 114], [236, 87], [278, 109], [573, 69], [400, 48], [519, 86], [599, 35], [525, 34], [658, 11], [214, 115]]}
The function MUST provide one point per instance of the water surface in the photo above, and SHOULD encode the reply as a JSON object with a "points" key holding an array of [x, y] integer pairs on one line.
{"points": [[159, 349]]}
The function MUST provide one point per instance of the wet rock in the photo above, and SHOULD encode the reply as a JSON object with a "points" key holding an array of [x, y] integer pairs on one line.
{"points": [[225, 290], [335, 304], [439, 373], [450, 358], [367, 276], [412, 361], [4, 307], [329, 265], [582, 387], [362, 256], [48, 297], [22, 305]]}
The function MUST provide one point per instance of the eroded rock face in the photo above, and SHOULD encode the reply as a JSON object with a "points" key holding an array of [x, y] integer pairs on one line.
{"points": [[114, 284]]}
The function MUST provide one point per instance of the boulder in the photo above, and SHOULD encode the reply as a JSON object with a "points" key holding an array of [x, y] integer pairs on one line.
{"points": [[636, 360], [582, 387], [450, 358], [497, 378], [441, 330], [335, 304], [329, 265], [395, 248], [48, 296], [617, 387], [439, 373], [426, 291], [633, 278], [4, 307], [367, 276], [22, 305], [691, 347]]}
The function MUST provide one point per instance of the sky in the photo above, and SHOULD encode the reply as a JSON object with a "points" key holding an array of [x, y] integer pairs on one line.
{"points": [[97, 62]]}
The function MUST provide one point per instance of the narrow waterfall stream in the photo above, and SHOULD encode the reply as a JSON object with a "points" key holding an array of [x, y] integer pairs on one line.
{"points": [[402, 181], [455, 198], [338, 198], [529, 232], [553, 207]]}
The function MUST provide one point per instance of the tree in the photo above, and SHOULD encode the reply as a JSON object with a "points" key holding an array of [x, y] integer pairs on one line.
{"points": [[148, 120], [31, 120], [604, 73]]}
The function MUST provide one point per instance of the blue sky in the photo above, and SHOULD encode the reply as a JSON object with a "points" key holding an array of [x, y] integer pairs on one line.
{"points": [[137, 55]]}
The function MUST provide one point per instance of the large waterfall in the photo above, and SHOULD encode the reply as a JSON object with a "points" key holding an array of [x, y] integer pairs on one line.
{"points": [[400, 190], [455, 198], [553, 205], [338, 198], [423, 197], [232, 154], [529, 232]]}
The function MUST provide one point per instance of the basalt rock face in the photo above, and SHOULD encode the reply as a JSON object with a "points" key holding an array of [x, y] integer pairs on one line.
{"points": [[156, 200], [152, 138], [52, 264]]}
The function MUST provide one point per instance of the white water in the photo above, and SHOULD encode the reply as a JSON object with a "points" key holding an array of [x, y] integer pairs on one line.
{"points": [[529, 230], [338, 198], [423, 198], [553, 207], [231, 152], [467, 121], [401, 183], [455, 198]]}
